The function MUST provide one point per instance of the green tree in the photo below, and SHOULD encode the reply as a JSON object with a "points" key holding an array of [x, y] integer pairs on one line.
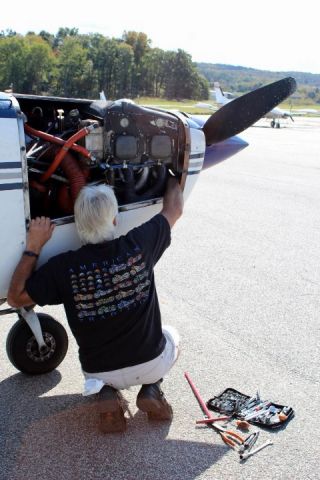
{"points": [[25, 62], [153, 72], [141, 45], [105, 62], [71, 64], [75, 69], [124, 66], [12, 62], [113, 63], [7, 33], [182, 79], [39, 64], [47, 37], [62, 34]]}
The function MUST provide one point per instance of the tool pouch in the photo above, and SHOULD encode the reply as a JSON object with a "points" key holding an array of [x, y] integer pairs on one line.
{"points": [[262, 413]]}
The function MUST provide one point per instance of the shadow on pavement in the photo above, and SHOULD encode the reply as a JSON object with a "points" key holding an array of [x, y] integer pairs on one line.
{"points": [[50, 437]]}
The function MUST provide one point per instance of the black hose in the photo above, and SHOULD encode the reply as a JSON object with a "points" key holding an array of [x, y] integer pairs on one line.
{"points": [[156, 190]]}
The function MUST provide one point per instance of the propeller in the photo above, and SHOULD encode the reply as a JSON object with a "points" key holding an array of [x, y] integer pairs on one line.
{"points": [[242, 112]]}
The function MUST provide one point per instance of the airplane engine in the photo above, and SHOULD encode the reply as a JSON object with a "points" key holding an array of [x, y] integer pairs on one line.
{"points": [[119, 143]]}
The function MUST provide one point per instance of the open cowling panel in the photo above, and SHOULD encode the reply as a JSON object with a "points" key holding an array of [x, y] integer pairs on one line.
{"points": [[75, 142]]}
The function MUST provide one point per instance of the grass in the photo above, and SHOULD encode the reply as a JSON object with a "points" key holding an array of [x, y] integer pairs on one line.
{"points": [[189, 106]]}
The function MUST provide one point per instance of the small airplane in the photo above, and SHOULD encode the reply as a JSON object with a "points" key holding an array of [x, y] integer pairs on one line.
{"points": [[222, 98], [50, 147]]}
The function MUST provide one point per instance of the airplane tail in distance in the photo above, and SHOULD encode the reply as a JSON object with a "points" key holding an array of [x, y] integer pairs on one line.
{"points": [[102, 95], [221, 99]]}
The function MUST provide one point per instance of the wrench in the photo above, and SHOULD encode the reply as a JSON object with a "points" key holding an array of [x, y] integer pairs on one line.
{"points": [[246, 455]]}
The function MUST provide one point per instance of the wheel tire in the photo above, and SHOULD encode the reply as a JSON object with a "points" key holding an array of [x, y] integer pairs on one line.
{"points": [[23, 350], [273, 123]]}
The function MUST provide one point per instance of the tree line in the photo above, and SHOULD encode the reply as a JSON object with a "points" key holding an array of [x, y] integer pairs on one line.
{"points": [[81, 65]]}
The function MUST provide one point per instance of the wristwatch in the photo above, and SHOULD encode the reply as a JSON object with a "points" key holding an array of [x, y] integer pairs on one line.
{"points": [[29, 253]]}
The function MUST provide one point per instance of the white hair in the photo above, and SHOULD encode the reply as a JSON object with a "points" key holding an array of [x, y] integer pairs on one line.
{"points": [[94, 211]]}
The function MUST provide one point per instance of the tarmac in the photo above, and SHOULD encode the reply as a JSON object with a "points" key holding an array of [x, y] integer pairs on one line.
{"points": [[241, 283]]}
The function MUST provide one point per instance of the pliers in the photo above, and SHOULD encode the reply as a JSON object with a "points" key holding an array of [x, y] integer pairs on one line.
{"points": [[226, 434]]}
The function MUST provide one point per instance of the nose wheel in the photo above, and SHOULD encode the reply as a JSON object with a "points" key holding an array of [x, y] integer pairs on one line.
{"points": [[23, 349], [275, 124]]}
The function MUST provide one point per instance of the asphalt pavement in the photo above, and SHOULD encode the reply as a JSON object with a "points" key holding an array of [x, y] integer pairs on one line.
{"points": [[241, 283]]}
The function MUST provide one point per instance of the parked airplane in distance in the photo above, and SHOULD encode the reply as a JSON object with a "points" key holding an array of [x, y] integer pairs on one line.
{"points": [[275, 114]]}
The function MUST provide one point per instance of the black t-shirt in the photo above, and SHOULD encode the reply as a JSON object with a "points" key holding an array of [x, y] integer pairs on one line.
{"points": [[109, 296]]}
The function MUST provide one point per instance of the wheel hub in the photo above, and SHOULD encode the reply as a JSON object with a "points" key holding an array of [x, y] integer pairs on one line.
{"points": [[36, 355]]}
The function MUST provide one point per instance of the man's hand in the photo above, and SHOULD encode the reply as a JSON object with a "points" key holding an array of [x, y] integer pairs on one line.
{"points": [[172, 201], [40, 231]]}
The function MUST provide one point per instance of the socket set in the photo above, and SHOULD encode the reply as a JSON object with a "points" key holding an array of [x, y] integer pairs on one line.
{"points": [[263, 413]]}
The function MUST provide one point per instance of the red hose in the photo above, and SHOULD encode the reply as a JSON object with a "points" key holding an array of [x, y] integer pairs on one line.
{"points": [[75, 175], [38, 186], [63, 151], [56, 140], [77, 179]]}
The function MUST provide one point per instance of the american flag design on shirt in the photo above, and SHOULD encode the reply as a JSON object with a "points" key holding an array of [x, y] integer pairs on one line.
{"points": [[107, 288]]}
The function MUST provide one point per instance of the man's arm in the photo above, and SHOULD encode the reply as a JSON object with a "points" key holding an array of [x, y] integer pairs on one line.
{"points": [[172, 202], [40, 232]]}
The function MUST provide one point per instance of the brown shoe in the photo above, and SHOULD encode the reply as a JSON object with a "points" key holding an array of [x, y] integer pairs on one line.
{"points": [[111, 412], [152, 401]]}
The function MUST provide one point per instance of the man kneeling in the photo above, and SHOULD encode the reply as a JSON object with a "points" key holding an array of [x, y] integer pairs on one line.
{"points": [[108, 291]]}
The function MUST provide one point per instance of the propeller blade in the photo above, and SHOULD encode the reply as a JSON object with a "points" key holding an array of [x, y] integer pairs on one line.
{"points": [[242, 112]]}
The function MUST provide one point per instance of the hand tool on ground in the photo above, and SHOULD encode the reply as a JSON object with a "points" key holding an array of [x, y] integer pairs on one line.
{"points": [[248, 443], [211, 420], [228, 436], [246, 455], [225, 434]]}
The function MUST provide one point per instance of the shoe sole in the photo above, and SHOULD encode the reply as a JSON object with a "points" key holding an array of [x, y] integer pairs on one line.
{"points": [[112, 419], [112, 422], [155, 409]]}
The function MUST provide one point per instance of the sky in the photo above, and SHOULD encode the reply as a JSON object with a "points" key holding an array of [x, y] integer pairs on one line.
{"points": [[276, 35]]}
